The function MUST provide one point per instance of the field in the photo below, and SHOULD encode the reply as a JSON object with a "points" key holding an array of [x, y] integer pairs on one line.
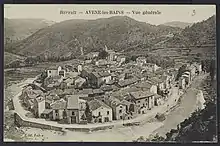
{"points": [[9, 57]]}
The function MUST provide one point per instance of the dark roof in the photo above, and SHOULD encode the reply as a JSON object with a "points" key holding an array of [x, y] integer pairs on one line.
{"points": [[141, 94], [127, 82], [111, 101], [72, 102], [106, 88], [95, 104], [125, 102]]}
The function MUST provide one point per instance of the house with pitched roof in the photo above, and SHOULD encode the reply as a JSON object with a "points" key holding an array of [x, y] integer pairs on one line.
{"points": [[147, 86], [144, 100], [39, 106], [96, 79], [59, 109], [53, 71], [118, 108], [127, 82], [75, 109], [100, 111]]}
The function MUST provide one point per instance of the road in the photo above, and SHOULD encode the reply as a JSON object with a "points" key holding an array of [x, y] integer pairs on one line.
{"points": [[186, 107], [127, 133]]}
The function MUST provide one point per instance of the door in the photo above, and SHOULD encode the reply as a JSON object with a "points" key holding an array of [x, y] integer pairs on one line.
{"points": [[73, 119]]}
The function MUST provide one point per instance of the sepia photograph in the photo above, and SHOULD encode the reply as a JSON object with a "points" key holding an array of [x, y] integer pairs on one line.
{"points": [[110, 73]]}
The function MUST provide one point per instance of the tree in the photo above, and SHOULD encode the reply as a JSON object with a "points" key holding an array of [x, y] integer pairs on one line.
{"points": [[180, 71], [212, 69], [88, 113], [103, 54]]}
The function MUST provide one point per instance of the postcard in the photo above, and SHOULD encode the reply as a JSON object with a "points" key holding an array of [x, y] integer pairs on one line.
{"points": [[110, 73]]}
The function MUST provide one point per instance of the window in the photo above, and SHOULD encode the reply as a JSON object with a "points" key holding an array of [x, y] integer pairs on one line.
{"points": [[73, 113], [49, 71], [139, 101], [107, 112], [120, 117], [56, 111], [99, 113], [120, 106], [120, 111]]}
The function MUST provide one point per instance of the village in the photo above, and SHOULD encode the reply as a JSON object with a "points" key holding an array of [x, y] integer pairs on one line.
{"points": [[103, 90]]}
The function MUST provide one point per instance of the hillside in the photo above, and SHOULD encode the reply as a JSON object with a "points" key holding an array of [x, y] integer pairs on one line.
{"points": [[65, 38], [199, 34], [18, 29], [178, 24], [10, 57]]}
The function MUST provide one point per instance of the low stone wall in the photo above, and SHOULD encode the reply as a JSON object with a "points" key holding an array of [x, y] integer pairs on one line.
{"points": [[21, 122]]}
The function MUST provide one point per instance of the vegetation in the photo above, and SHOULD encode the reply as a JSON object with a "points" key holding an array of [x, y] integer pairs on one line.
{"points": [[180, 71], [103, 54], [66, 37], [200, 126]]}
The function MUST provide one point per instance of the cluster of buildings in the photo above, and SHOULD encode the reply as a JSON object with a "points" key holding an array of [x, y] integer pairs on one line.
{"points": [[106, 90], [189, 74]]}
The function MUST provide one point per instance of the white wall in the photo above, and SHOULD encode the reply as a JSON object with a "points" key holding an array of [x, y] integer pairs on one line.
{"points": [[103, 111], [41, 107]]}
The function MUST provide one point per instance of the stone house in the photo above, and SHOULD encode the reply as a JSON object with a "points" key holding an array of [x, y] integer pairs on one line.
{"points": [[52, 82], [158, 100], [39, 106], [47, 114], [55, 71], [147, 86], [127, 82], [75, 109], [182, 82], [143, 100], [79, 82], [59, 109], [119, 110], [96, 79], [100, 111], [29, 95]]}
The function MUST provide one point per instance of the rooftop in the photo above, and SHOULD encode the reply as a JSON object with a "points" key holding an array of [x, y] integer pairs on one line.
{"points": [[72, 102], [141, 94], [127, 82], [59, 104], [95, 104]]}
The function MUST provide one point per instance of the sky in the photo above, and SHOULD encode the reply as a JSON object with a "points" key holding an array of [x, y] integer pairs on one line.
{"points": [[168, 13]]}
